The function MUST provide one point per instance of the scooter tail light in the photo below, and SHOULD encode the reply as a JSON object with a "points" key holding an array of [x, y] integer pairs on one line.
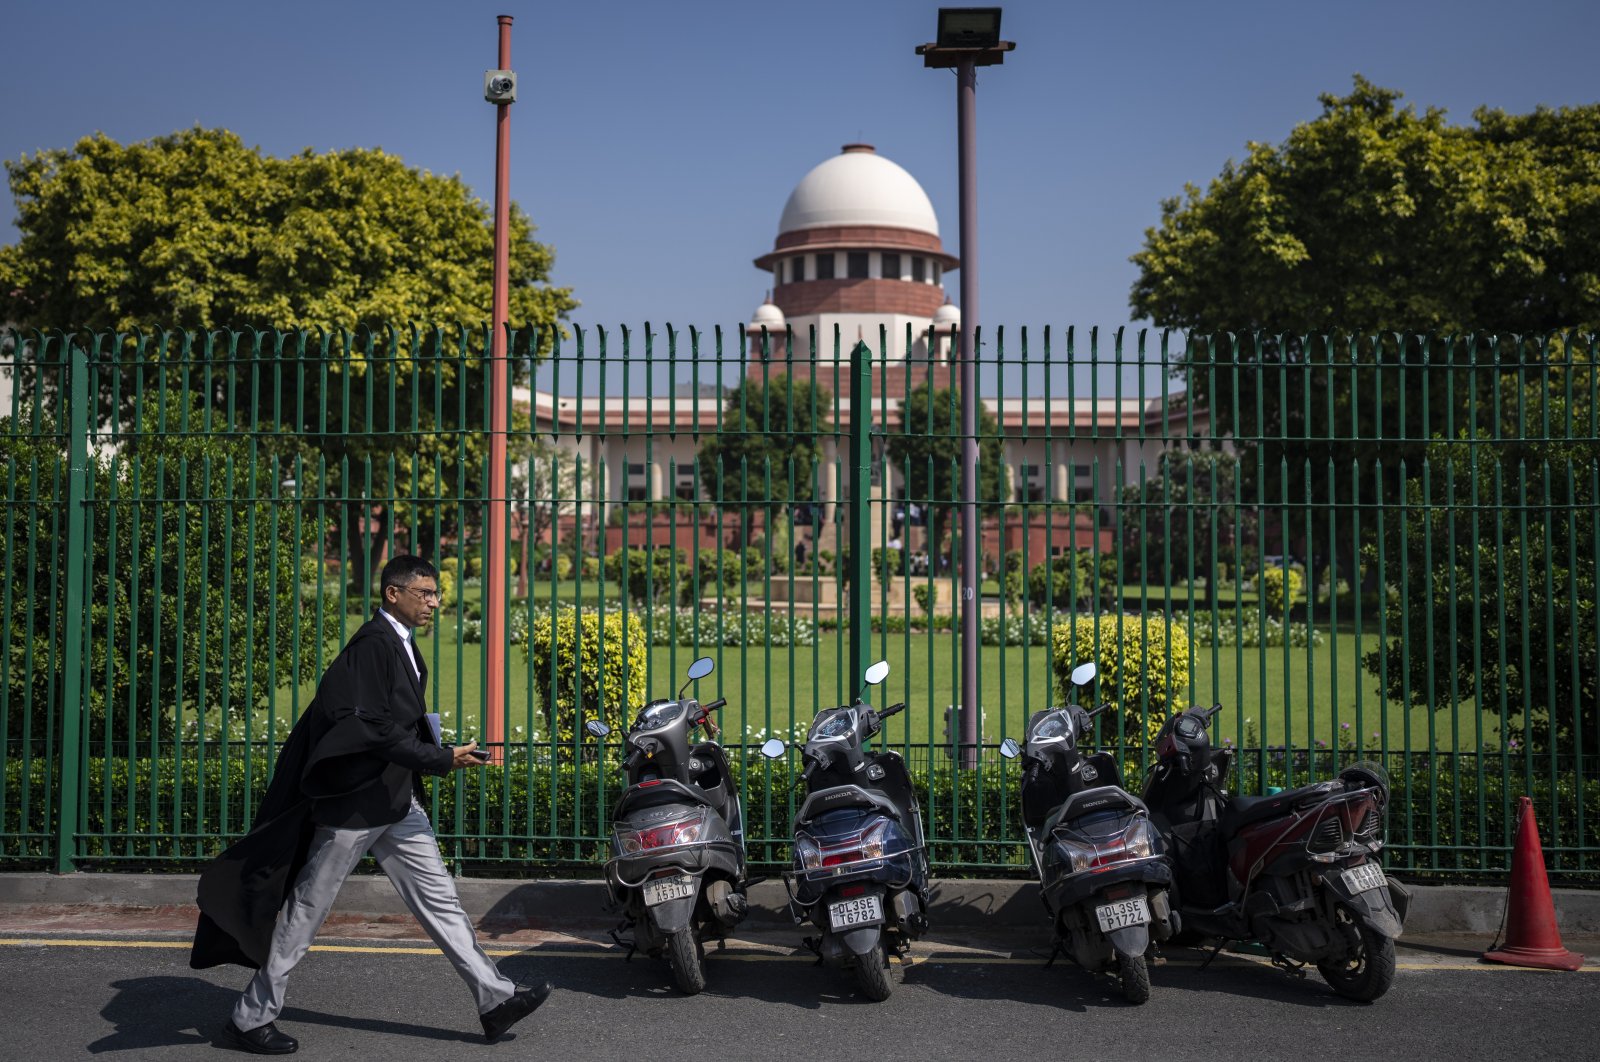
{"points": [[662, 835]]}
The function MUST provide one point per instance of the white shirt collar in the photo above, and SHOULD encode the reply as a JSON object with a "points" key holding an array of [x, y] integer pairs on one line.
{"points": [[399, 628], [405, 636]]}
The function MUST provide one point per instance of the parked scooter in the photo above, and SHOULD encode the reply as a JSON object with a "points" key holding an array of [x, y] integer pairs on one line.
{"points": [[1296, 871], [860, 864], [677, 869], [1102, 873]]}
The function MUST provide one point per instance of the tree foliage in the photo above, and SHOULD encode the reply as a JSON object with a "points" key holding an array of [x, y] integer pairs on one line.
{"points": [[284, 291], [194, 586], [1374, 241], [1373, 217], [767, 454], [1493, 562], [1181, 521], [927, 452], [196, 230]]}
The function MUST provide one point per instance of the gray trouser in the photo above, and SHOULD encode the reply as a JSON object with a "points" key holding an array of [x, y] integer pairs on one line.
{"points": [[408, 854]]}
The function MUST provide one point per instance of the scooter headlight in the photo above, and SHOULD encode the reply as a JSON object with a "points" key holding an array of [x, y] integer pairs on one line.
{"points": [[806, 853]]}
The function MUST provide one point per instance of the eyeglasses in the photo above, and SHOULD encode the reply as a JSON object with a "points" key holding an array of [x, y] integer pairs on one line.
{"points": [[426, 595]]}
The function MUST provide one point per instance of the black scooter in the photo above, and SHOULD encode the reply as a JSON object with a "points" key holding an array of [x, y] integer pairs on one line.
{"points": [[1297, 870], [1102, 873], [677, 869], [860, 870]]}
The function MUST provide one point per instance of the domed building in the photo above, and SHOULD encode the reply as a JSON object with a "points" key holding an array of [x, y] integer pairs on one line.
{"points": [[857, 257], [857, 250]]}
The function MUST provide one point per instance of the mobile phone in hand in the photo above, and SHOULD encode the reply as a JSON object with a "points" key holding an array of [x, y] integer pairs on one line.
{"points": [[481, 755]]}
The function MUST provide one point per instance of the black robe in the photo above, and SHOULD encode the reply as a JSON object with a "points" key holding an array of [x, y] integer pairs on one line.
{"points": [[352, 760]]}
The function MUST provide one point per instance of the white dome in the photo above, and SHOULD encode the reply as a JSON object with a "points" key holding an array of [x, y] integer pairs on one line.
{"points": [[767, 315], [947, 315], [858, 187]]}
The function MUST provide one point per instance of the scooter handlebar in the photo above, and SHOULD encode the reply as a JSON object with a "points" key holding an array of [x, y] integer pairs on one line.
{"points": [[720, 702], [892, 710]]}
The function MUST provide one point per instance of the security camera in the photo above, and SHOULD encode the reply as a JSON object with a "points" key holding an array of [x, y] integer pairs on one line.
{"points": [[500, 86]]}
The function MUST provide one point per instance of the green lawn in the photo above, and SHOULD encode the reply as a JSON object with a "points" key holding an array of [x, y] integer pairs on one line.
{"points": [[1305, 694]]}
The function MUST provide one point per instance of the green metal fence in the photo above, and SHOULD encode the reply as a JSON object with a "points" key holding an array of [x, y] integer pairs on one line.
{"points": [[1367, 547]]}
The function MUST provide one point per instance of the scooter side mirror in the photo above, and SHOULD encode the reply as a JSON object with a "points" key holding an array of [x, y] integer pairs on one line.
{"points": [[1010, 749], [596, 728], [698, 670], [1084, 674], [877, 673], [773, 748]]}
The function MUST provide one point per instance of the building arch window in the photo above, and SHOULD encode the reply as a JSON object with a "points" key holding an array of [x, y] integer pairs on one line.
{"points": [[856, 265], [797, 269], [891, 266], [825, 266], [917, 269]]}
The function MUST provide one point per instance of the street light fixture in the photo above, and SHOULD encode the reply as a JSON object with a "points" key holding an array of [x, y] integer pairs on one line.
{"points": [[968, 37]]}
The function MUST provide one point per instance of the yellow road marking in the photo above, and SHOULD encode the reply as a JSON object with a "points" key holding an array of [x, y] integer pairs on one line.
{"points": [[979, 959]]}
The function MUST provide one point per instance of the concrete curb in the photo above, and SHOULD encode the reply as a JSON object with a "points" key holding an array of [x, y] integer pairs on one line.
{"points": [[957, 902]]}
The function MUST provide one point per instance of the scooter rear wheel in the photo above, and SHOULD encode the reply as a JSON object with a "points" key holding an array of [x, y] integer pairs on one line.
{"points": [[688, 968], [1369, 974], [872, 974], [1135, 975]]}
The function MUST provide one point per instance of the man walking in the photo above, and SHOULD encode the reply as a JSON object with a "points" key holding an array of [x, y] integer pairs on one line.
{"points": [[348, 782]]}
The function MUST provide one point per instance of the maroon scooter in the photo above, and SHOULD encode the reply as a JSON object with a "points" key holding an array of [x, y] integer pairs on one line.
{"points": [[1296, 871]]}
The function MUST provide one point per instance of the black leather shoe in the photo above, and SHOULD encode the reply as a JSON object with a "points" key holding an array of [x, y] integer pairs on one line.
{"points": [[266, 1040], [513, 1010]]}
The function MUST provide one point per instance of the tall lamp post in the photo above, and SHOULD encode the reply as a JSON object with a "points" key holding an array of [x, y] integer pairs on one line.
{"points": [[500, 89], [968, 37]]}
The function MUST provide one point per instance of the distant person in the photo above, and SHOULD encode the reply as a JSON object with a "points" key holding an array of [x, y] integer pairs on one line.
{"points": [[799, 554], [348, 782]]}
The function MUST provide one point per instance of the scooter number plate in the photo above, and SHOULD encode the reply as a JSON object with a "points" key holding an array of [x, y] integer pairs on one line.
{"points": [[661, 890], [1123, 913], [1364, 877], [861, 911]]}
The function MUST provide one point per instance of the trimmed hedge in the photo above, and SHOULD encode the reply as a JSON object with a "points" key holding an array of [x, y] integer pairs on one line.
{"points": [[530, 818], [1143, 664], [510, 820]]}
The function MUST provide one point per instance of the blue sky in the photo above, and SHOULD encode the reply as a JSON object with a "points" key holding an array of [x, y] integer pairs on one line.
{"points": [[654, 143]]}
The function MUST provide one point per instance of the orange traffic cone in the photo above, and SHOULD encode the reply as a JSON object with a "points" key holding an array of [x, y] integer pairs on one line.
{"points": [[1532, 938]]}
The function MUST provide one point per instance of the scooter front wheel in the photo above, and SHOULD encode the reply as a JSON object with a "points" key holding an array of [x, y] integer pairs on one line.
{"points": [[688, 968], [872, 974], [1135, 976], [1368, 974]]}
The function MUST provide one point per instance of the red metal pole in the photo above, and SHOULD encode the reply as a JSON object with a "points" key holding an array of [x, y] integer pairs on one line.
{"points": [[495, 572]]}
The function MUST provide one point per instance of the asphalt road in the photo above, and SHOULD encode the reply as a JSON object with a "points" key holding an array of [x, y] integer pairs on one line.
{"points": [[132, 998]]}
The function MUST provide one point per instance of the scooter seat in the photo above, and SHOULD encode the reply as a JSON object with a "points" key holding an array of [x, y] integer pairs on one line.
{"points": [[1244, 810], [1099, 798]]}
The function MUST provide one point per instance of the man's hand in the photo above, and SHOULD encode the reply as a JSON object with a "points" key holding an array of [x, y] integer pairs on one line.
{"points": [[461, 756]]}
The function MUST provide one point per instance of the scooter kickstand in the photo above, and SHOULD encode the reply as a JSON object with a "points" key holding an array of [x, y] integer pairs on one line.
{"points": [[1055, 950], [630, 944], [814, 946], [1214, 953]]}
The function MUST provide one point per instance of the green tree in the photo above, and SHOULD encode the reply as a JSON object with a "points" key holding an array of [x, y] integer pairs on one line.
{"points": [[1332, 254], [304, 263], [1181, 520], [1493, 561], [1373, 217], [927, 452], [195, 605], [767, 453], [196, 230]]}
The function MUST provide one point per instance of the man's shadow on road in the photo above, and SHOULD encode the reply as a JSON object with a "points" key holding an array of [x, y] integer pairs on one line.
{"points": [[151, 1012]]}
